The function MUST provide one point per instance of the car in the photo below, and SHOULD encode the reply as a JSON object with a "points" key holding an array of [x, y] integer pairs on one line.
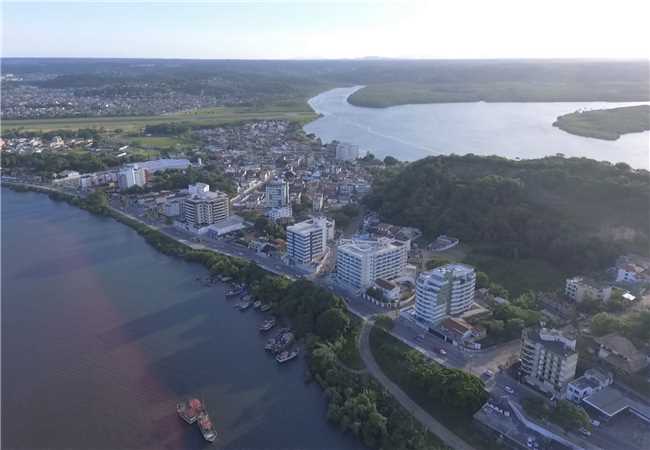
{"points": [[419, 337], [509, 390], [595, 423], [442, 351], [585, 431], [488, 373]]}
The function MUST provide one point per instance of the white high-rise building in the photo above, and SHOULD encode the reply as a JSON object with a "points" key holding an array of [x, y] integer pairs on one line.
{"points": [[307, 240], [277, 194], [347, 152], [360, 262], [444, 291], [131, 176], [548, 358], [203, 207]]}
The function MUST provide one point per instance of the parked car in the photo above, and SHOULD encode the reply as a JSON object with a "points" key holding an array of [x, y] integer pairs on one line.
{"points": [[488, 374], [442, 351], [595, 423], [585, 431], [509, 390]]}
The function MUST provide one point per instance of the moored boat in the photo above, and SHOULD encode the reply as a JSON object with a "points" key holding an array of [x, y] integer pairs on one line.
{"points": [[244, 306], [285, 356], [257, 304], [189, 410], [207, 428], [265, 307], [267, 325]]}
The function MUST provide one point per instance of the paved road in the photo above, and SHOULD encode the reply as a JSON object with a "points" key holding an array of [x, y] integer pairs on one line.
{"points": [[447, 436]]}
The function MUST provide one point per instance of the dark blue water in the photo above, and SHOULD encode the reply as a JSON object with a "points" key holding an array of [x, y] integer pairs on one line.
{"points": [[101, 335]]}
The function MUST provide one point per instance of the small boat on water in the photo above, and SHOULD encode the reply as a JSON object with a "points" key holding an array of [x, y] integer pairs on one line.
{"points": [[269, 344], [206, 427], [189, 410], [244, 306], [257, 304], [285, 356], [233, 292], [267, 325], [265, 307]]}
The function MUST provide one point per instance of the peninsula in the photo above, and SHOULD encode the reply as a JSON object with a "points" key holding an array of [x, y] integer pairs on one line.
{"points": [[608, 124]]}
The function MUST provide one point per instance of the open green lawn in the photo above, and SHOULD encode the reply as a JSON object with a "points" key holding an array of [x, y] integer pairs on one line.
{"points": [[519, 275], [210, 116]]}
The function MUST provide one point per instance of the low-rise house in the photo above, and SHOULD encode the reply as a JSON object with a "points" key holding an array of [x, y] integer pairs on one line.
{"points": [[621, 354], [581, 288], [593, 380], [461, 331], [389, 289], [633, 269]]}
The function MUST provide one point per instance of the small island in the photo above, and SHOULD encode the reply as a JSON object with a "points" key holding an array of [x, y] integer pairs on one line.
{"points": [[607, 124]]}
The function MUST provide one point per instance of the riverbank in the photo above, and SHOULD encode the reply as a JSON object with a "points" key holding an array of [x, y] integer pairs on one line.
{"points": [[318, 317], [384, 95], [607, 124]]}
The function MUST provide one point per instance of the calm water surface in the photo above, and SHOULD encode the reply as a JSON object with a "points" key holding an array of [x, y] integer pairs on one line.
{"points": [[101, 335], [513, 130]]}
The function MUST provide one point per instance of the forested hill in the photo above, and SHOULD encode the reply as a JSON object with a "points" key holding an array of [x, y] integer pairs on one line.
{"points": [[575, 213]]}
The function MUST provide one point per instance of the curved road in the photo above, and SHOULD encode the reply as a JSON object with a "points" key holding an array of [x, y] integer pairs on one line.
{"points": [[443, 433]]}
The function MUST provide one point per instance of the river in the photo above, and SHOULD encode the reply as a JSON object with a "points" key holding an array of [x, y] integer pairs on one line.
{"points": [[513, 130], [102, 334]]}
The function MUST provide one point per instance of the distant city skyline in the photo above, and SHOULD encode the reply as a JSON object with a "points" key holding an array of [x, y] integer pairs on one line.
{"points": [[326, 30]]}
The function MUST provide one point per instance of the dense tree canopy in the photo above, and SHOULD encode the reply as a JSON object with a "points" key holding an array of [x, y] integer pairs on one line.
{"points": [[553, 208]]}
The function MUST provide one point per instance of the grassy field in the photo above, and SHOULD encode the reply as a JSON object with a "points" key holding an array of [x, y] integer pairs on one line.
{"points": [[608, 124], [210, 116], [519, 275]]}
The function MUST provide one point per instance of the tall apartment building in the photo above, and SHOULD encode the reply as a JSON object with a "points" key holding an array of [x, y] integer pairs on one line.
{"points": [[580, 288], [203, 207], [347, 152], [277, 194], [307, 240], [360, 262], [131, 176], [444, 291], [548, 358]]}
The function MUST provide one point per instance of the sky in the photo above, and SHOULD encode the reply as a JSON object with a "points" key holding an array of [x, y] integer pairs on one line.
{"points": [[277, 29]]}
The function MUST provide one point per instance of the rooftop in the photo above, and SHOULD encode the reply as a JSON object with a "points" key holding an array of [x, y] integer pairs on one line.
{"points": [[610, 401]]}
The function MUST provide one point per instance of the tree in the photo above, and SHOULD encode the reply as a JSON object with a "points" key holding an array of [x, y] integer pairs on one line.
{"points": [[332, 323], [391, 161], [97, 202], [604, 323], [569, 416], [385, 322], [482, 280]]}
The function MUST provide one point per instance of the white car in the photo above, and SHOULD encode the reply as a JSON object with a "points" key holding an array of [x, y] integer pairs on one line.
{"points": [[595, 423], [585, 431], [442, 351], [509, 390]]}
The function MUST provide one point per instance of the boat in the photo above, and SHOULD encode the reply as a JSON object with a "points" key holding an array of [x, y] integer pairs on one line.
{"points": [[206, 427], [285, 356], [189, 410], [265, 307], [244, 306], [233, 292], [267, 325], [283, 340], [270, 344], [257, 304]]}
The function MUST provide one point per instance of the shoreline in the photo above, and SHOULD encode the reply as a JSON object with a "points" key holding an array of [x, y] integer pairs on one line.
{"points": [[249, 273]]}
